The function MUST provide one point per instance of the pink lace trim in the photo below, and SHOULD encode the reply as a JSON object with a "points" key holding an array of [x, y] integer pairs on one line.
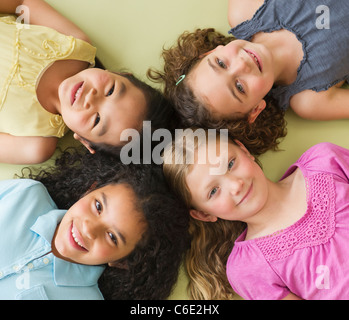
{"points": [[315, 227]]}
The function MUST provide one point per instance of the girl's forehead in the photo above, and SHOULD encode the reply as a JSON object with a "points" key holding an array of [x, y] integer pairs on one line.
{"points": [[113, 189], [216, 146], [217, 154], [116, 195], [120, 203]]}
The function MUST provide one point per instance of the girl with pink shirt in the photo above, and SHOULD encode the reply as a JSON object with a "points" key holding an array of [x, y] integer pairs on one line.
{"points": [[268, 240]]}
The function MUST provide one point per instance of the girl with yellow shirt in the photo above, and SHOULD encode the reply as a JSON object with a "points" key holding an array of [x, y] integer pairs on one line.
{"points": [[47, 86]]}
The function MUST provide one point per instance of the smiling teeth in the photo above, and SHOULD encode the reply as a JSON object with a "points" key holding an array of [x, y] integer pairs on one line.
{"points": [[77, 93], [76, 239], [255, 59]]}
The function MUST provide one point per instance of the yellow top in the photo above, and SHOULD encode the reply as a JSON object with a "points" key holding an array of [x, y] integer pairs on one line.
{"points": [[26, 51]]}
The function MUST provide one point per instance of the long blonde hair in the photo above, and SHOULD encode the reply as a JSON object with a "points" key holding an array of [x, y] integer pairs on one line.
{"points": [[211, 242]]}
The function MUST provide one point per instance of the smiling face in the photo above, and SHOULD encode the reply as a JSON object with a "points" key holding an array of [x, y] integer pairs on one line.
{"points": [[232, 80], [98, 105], [102, 227], [237, 195]]}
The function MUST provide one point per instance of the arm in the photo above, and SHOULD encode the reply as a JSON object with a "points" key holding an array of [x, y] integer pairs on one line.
{"points": [[331, 104], [26, 150], [239, 11], [291, 296], [41, 13]]}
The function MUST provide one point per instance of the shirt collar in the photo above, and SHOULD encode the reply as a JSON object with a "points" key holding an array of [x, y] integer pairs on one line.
{"points": [[65, 273]]}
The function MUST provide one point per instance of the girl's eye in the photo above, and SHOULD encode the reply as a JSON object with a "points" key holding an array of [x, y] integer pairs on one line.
{"points": [[231, 164], [110, 92], [221, 63], [239, 87], [98, 206], [212, 192], [98, 118], [113, 238]]}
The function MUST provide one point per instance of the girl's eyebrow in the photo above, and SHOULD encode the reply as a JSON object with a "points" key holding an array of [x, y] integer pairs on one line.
{"points": [[105, 203], [122, 90], [104, 127]]}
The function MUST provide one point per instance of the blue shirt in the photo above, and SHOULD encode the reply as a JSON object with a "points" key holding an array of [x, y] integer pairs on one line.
{"points": [[325, 48], [28, 269]]}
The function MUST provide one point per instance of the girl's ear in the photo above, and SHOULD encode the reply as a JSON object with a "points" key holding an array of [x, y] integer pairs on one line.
{"points": [[202, 216], [84, 142], [244, 149], [92, 187], [119, 265], [254, 113]]}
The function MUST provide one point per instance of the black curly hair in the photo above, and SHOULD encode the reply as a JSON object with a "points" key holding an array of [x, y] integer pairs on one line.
{"points": [[152, 267]]}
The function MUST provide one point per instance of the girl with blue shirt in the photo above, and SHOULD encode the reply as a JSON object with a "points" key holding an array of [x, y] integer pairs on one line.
{"points": [[284, 54], [114, 223]]}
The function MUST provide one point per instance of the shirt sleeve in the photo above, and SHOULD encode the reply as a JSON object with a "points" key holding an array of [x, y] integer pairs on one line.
{"points": [[8, 187], [30, 195], [327, 157], [251, 276]]}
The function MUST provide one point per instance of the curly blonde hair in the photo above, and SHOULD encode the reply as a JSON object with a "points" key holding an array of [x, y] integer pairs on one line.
{"points": [[262, 135], [211, 243]]}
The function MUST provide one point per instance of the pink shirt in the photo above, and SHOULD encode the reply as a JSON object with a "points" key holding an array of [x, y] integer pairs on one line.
{"points": [[311, 257]]}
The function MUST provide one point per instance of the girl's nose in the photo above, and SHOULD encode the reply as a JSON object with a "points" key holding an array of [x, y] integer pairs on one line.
{"points": [[89, 229], [235, 186], [90, 98], [240, 65]]}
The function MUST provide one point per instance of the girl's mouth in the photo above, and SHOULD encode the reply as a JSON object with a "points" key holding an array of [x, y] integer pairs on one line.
{"points": [[247, 194], [255, 59], [76, 239], [76, 92]]}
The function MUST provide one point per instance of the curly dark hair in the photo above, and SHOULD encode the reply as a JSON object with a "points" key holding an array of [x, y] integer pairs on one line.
{"points": [[152, 267], [262, 135]]}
